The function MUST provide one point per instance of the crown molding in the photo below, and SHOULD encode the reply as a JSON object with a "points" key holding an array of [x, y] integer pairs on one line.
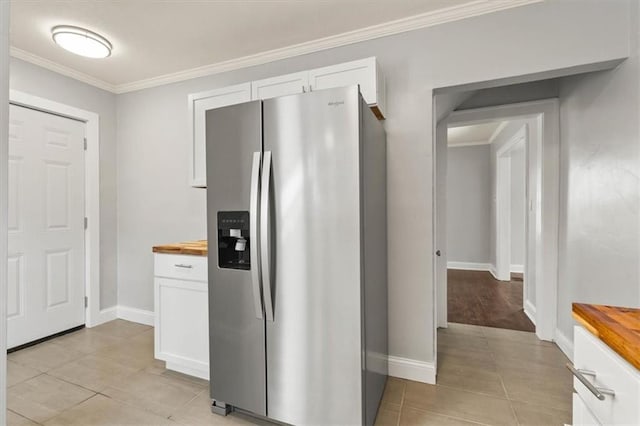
{"points": [[61, 69], [437, 17], [464, 144]]}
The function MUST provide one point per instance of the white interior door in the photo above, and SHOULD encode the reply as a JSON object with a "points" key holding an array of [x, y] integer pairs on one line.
{"points": [[440, 228], [46, 225]]}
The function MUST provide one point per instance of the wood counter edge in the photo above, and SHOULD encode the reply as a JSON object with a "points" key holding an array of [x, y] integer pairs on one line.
{"points": [[193, 248], [192, 252], [622, 340]]}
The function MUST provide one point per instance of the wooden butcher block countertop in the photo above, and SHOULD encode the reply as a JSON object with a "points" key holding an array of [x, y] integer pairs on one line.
{"points": [[618, 327], [195, 248]]}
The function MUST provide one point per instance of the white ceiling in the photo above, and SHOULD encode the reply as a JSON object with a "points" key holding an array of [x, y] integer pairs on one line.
{"points": [[476, 134], [154, 38]]}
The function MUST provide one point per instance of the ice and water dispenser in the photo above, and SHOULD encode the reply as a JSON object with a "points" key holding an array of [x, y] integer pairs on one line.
{"points": [[233, 240]]}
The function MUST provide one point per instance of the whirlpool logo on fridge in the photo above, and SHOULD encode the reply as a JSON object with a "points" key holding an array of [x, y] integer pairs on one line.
{"points": [[335, 103]]}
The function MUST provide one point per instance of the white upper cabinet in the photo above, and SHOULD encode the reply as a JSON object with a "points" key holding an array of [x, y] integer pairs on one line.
{"points": [[281, 85], [365, 72], [199, 104]]}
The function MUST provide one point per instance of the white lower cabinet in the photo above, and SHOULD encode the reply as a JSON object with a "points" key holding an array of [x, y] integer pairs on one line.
{"points": [[182, 313], [611, 376]]}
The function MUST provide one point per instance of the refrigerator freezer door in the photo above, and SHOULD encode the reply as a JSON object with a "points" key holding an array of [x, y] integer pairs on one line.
{"points": [[314, 366], [236, 335]]}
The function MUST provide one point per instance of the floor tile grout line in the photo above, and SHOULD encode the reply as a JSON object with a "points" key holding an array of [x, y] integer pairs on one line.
{"points": [[464, 419], [504, 388], [177, 409], [62, 379], [69, 408], [475, 392], [26, 380], [24, 417], [404, 391]]}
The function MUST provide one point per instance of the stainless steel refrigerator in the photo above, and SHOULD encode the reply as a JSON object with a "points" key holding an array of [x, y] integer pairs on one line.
{"points": [[296, 202]]}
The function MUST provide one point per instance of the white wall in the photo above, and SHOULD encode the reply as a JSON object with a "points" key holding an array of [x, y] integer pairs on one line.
{"points": [[155, 205], [468, 204], [502, 138], [471, 202], [38, 81], [599, 247], [518, 205]]}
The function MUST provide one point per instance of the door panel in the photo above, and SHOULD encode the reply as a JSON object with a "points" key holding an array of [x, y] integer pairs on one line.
{"points": [[236, 336], [314, 364], [15, 291], [440, 224], [46, 225]]}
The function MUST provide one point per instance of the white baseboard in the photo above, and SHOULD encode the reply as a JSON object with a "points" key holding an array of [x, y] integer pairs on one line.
{"points": [[494, 272], [411, 369], [518, 269], [136, 315], [468, 266], [564, 343], [189, 371], [105, 315], [404, 368], [530, 311]]}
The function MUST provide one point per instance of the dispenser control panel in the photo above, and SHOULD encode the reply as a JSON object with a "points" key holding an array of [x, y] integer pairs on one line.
{"points": [[233, 240]]}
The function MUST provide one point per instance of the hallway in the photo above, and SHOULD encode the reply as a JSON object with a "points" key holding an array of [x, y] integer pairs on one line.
{"points": [[476, 297]]}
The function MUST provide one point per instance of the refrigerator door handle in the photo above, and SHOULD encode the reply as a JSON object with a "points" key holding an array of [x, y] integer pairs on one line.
{"points": [[254, 231], [265, 252]]}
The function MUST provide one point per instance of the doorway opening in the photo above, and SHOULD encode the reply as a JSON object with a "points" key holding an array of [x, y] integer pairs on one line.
{"points": [[486, 199], [487, 358], [532, 126]]}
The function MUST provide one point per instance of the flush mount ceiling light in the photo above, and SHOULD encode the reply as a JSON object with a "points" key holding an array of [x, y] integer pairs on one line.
{"points": [[81, 41]]}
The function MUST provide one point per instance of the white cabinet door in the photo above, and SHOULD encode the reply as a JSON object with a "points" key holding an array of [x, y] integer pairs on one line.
{"points": [[46, 225], [365, 72], [581, 414], [182, 325], [199, 104], [281, 85], [611, 372]]}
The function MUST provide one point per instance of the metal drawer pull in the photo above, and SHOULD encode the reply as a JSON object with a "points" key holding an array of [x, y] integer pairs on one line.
{"points": [[182, 265], [597, 392]]}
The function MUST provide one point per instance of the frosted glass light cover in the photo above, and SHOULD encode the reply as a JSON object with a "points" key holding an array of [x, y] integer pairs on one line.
{"points": [[81, 41]]}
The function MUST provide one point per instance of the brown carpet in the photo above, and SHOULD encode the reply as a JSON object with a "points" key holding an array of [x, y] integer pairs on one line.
{"points": [[475, 297]]}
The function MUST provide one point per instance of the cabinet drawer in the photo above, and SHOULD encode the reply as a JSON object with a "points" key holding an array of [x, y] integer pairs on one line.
{"points": [[581, 414], [611, 372], [183, 267]]}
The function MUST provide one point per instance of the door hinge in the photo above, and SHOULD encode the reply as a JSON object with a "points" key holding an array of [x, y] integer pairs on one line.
{"points": [[85, 144], [86, 301], [86, 222]]}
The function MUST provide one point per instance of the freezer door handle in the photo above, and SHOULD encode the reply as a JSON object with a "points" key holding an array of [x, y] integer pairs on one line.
{"points": [[265, 249], [254, 231]]}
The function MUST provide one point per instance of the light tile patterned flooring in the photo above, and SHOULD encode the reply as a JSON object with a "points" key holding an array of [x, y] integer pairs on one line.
{"points": [[488, 376], [107, 376]]}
